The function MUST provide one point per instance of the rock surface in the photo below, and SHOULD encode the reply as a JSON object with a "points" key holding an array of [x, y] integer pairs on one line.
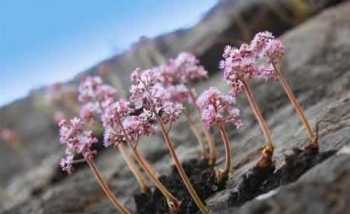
{"points": [[318, 67]]}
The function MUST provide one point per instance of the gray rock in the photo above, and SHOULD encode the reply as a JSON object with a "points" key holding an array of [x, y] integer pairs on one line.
{"points": [[317, 65]]}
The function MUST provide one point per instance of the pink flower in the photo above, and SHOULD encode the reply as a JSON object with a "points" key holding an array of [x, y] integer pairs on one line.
{"points": [[66, 163], [260, 40], [238, 64], [178, 93], [77, 139], [187, 67], [153, 96], [269, 51], [170, 111], [92, 89], [142, 82], [251, 61], [135, 127], [120, 127], [184, 69], [218, 108], [94, 96], [275, 51]]}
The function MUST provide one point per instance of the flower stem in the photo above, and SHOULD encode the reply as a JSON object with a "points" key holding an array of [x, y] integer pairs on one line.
{"points": [[225, 172], [197, 134], [173, 202], [202, 207], [269, 148], [106, 189], [296, 105], [146, 163], [211, 144], [133, 167]]}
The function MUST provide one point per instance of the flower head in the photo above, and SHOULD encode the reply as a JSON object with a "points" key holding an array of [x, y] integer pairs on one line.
{"points": [[260, 41], [154, 97], [121, 127], [95, 96], [187, 67], [238, 64], [254, 60], [269, 52], [77, 139], [184, 69], [136, 127], [218, 108]]}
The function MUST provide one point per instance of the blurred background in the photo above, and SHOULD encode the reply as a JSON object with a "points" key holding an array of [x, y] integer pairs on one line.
{"points": [[47, 46], [46, 42]]}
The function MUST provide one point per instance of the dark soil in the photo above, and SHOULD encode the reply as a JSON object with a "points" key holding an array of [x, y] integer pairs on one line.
{"points": [[256, 181], [202, 177]]}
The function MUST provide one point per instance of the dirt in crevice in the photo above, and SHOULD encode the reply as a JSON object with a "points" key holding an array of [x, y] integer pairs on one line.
{"points": [[202, 177], [252, 184], [256, 182]]}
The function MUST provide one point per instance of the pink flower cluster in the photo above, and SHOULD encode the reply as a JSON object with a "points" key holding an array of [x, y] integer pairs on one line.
{"points": [[156, 100], [99, 100], [95, 96], [121, 127], [156, 93], [217, 108], [78, 140], [184, 69], [251, 60]]}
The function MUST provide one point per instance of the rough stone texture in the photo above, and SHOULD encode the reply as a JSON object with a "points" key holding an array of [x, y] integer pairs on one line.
{"points": [[318, 67]]}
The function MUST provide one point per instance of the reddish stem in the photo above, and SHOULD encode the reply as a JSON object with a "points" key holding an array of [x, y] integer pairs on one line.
{"points": [[181, 170], [225, 172], [258, 115], [296, 105], [267, 153], [115, 201], [173, 202], [133, 167]]}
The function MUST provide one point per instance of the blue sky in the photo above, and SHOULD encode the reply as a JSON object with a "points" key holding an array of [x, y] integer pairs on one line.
{"points": [[46, 41]]}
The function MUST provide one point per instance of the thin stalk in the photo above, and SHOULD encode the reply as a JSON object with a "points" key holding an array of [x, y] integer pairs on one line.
{"points": [[258, 115], [173, 202], [296, 105], [117, 204], [146, 163], [212, 148], [133, 167], [202, 207], [225, 172], [197, 134]]}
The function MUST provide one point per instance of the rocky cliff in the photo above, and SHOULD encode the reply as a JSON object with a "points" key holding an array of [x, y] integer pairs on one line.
{"points": [[316, 65]]}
